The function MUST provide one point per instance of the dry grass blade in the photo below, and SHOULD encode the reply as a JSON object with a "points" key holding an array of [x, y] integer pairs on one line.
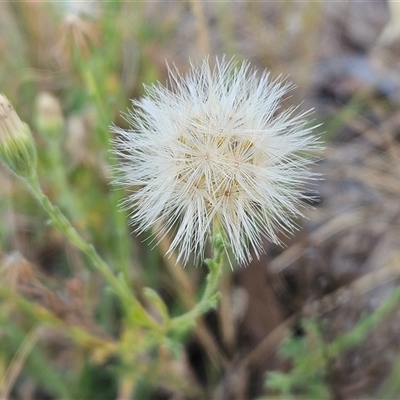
{"points": [[332, 227], [202, 31], [17, 363]]}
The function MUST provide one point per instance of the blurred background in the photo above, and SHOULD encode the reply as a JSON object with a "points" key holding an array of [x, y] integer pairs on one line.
{"points": [[318, 318]]}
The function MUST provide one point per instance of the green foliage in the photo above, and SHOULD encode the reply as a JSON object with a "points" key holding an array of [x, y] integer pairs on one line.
{"points": [[309, 369], [97, 382], [312, 356]]}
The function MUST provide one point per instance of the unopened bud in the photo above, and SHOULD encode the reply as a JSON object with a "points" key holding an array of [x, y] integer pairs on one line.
{"points": [[49, 120], [17, 149]]}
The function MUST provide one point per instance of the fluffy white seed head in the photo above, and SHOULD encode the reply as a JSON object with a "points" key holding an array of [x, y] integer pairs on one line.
{"points": [[213, 148]]}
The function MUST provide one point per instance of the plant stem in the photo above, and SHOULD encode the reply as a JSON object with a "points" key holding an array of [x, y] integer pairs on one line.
{"points": [[133, 308], [211, 293]]}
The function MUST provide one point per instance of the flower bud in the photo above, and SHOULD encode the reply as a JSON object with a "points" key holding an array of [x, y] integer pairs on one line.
{"points": [[49, 118], [17, 149]]}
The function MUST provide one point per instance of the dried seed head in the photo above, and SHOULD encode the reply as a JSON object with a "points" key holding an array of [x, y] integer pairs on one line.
{"points": [[77, 33]]}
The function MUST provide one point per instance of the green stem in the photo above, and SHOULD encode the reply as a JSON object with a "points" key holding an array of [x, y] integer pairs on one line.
{"points": [[134, 310], [211, 293], [99, 97], [65, 197]]}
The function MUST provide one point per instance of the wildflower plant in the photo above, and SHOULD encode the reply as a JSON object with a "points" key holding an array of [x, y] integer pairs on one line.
{"points": [[214, 151], [215, 163], [211, 157]]}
